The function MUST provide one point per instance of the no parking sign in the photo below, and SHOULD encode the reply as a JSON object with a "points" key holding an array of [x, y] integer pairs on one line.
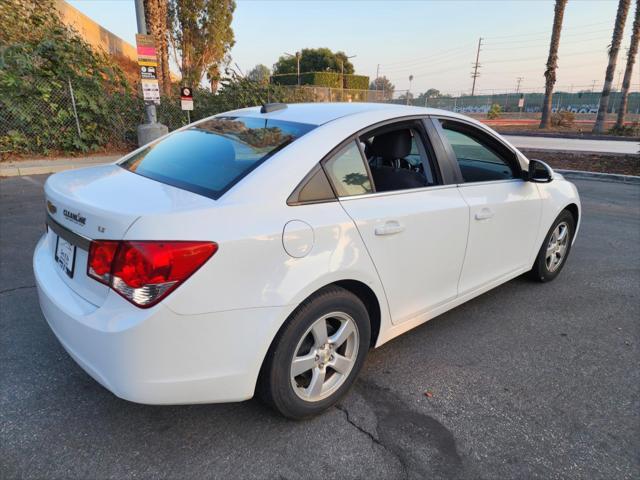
{"points": [[186, 98]]}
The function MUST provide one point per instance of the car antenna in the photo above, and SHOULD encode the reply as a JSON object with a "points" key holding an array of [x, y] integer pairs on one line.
{"points": [[272, 107]]}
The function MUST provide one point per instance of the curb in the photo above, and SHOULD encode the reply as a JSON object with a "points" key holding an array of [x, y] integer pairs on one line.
{"points": [[570, 136], [575, 174], [14, 170], [603, 177], [534, 151]]}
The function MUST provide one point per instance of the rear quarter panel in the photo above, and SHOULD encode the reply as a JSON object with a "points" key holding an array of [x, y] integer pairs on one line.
{"points": [[251, 268]]}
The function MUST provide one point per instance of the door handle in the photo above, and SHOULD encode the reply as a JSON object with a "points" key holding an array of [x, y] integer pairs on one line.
{"points": [[484, 214], [389, 228]]}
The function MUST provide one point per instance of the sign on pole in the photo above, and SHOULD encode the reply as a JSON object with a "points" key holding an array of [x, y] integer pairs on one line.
{"points": [[148, 73], [148, 61], [150, 91], [186, 98], [520, 102]]}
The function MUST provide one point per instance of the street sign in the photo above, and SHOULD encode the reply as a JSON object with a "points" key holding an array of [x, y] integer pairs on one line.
{"points": [[148, 73], [520, 102], [146, 49], [151, 91], [186, 98]]}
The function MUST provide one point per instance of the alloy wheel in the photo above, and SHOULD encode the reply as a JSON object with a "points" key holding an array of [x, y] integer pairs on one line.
{"points": [[324, 356], [557, 247]]}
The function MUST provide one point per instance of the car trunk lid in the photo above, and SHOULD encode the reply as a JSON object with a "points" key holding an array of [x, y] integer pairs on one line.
{"points": [[102, 203]]}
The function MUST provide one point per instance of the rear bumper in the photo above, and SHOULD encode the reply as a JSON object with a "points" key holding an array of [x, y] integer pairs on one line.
{"points": [[155, 356]]}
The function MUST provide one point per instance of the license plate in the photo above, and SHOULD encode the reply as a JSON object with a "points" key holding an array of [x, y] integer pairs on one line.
{"points": [[65, 256]]}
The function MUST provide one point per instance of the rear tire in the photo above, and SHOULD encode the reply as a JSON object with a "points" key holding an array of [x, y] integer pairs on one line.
{"points": [[555, 249], [316, 355]]}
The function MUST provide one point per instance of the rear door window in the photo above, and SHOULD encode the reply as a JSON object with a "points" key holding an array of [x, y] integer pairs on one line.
{"points": [[212, 156]]}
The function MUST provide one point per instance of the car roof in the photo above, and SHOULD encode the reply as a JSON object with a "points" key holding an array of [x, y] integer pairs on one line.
{"points": [[324, 112]]}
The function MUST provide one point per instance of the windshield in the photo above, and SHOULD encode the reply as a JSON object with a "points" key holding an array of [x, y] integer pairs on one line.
{"points": [[212, 156]]}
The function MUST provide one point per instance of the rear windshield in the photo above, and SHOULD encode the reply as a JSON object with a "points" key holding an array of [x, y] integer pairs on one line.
{"points": [[212, 156]]}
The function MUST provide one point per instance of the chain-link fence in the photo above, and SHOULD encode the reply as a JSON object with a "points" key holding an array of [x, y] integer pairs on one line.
{"points": [[52, 117]]}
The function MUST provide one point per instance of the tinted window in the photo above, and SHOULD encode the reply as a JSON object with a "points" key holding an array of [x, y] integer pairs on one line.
{"points": [[347, 171], [314, 188], [209, 158], [478, 162], [398, 160]]}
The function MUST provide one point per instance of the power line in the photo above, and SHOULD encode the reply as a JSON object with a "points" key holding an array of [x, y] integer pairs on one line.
{"points": [[422, 59], [547, 32], [447, 58]]}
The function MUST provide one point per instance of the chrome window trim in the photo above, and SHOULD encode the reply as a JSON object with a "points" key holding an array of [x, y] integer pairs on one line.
{"points": [[71, 237], [492, 182], [406, 191]]}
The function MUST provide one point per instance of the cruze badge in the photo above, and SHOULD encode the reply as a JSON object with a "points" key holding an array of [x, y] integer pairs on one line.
{"points": [[74, 217]]}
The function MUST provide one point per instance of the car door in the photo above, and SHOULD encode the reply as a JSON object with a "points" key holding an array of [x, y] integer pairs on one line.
{"points": [[413, 223], [504, 209]]}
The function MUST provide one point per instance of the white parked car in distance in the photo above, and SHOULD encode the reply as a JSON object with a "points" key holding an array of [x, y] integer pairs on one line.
{"points": [[268, 249]]}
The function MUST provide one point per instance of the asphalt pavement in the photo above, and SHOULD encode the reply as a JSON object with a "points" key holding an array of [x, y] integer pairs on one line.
{"points": [[527, 381], [574, 144]]}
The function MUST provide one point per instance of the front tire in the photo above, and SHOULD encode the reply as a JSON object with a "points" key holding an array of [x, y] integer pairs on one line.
{"points": [[317, 355], [555, 249]]}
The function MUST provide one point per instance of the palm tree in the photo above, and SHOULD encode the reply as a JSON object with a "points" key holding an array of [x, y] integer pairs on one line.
{"points": [[618, 29], [155, 12], [631, 58], [552, 63]]}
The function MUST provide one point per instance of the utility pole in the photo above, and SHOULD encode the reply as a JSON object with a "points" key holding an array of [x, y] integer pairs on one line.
{"points": [[376, 80], [409, 91], [151, 129], [475, 73], [593, 86], [518, 85]]}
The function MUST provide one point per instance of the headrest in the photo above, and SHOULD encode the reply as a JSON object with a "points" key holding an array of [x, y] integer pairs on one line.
{"points": [[392, 145]]}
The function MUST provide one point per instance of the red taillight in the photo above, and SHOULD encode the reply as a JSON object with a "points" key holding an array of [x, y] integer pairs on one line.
{"points": [[101, 255], [144, 272]]}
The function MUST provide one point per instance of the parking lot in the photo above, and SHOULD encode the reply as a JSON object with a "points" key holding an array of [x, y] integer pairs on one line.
{"points": [[528, 380]]}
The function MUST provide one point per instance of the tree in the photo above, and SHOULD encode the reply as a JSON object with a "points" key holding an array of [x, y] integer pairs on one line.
{"points": [[156, 17], [314, 60], [383, 85], [552, 63], [259, 74], [432, 93], [631, 58], [201, 34], [618, 29], [40, 59]]}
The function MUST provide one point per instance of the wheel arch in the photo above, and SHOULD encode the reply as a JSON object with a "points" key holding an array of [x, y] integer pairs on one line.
{"points": [[356, 287], [575, 212]]}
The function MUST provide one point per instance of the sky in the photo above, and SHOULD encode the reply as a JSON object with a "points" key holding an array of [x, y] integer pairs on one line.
{"points": [[435, 41]]}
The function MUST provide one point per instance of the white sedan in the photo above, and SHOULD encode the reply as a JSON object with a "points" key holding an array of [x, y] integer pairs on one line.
{"points": [[266, 250]]}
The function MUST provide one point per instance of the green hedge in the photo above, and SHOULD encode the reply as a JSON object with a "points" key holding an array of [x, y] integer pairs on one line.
{"points": [[357, 82], [324, 79]]}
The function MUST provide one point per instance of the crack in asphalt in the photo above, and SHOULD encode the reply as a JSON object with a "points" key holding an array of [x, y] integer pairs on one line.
{"points": [[9, 290], [374, 439], [411, 436]]}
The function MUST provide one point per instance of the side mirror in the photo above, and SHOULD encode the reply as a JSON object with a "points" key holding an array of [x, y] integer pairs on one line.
{"points": [[539, 172]]}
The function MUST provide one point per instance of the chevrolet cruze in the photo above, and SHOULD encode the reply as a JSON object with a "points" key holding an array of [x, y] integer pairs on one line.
{"points": [[266, 250]]}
